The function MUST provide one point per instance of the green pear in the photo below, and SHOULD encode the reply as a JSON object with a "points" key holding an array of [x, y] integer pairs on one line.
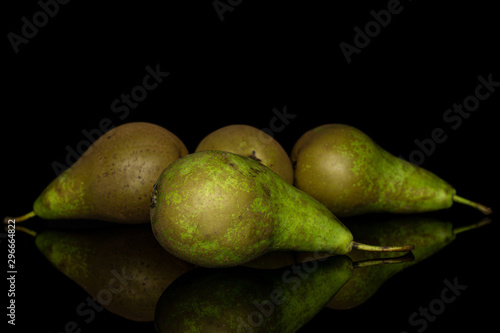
{"points": [[122, 268], [113, 180], [217, 209], [250, 142], [350, 174], [241, 299], [429, 235]]}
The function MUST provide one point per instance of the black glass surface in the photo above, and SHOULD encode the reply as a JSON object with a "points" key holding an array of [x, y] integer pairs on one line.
{"points": [[421, 79]]}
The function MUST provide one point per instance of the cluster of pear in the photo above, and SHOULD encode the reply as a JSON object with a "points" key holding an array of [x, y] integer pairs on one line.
{"points": [[240, 200]]}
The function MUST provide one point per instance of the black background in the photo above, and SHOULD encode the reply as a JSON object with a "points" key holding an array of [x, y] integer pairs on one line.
{"points": [[260, 57]]}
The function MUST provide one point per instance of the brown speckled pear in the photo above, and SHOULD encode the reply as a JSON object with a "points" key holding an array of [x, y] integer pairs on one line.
{"points": [[349, 173], [113, 180], [250, 142]]}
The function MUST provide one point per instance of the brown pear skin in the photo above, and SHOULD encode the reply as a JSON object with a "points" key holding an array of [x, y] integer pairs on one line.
{"points": [[122, 267], [250, 142], [113, 180], [350, 174]]}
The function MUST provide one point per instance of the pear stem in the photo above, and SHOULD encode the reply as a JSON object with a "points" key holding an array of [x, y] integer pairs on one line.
{"points": [[25, 230], [378, 261], [374, 248], [20, 218], [485, 210], [479, 224]]}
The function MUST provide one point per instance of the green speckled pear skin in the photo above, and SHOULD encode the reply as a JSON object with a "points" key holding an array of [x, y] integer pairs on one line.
{"points": [[250, 142], [350, 174], [218, 209], [113, 180], [242, 299], [427, 234], [122, 267]]}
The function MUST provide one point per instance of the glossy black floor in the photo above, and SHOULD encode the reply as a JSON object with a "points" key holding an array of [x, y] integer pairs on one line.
{"points": [[421, 79]]}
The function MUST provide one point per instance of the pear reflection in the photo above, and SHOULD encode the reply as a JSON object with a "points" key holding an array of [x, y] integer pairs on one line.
{"points": [[243, 299], [123, 268], [429, 235]]}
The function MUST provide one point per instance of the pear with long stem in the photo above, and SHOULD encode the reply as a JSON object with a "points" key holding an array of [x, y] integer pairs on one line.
{"points": [[349, 173], [218, 209]]}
